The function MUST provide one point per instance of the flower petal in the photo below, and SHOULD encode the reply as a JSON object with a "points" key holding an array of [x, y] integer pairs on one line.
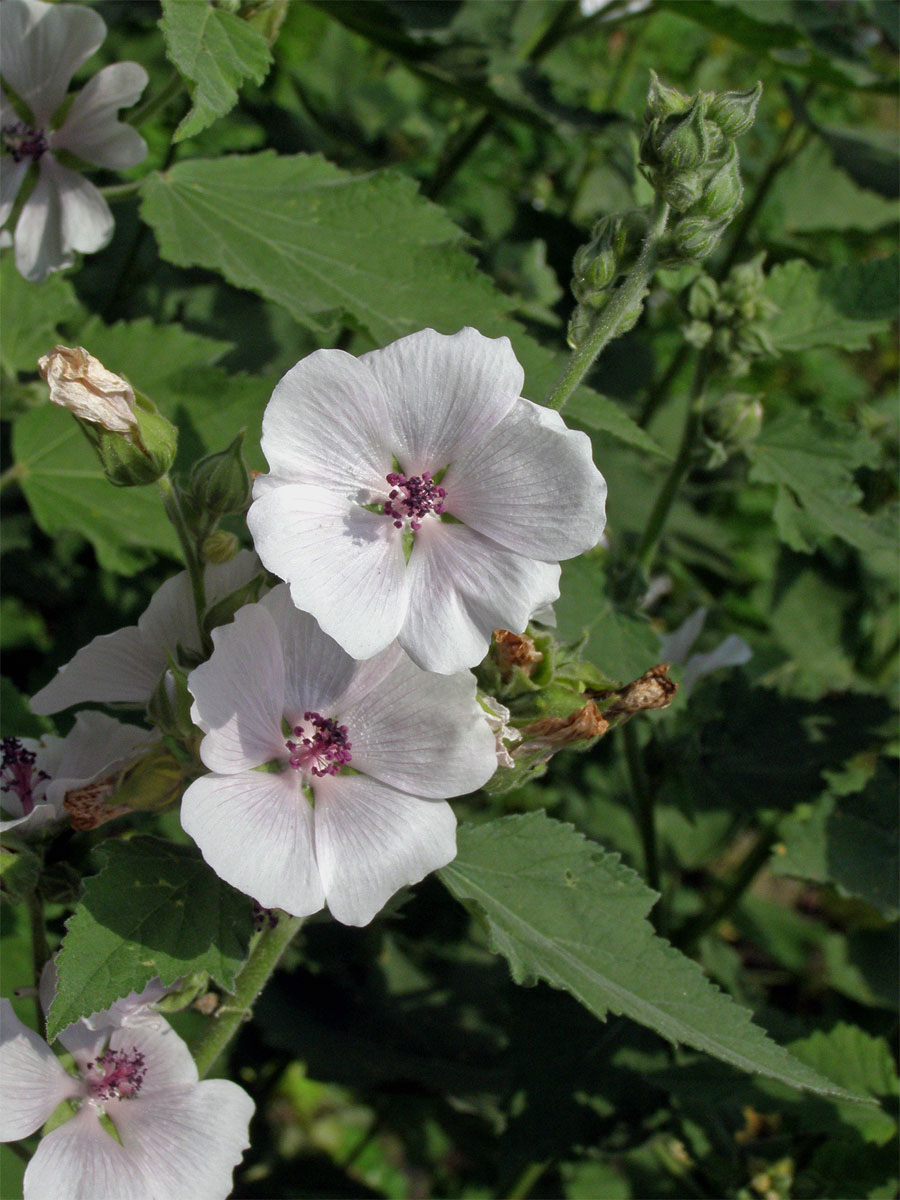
{"points": [[372, 840], [92, 129], [32, 1080], [463, 586], [239, 694], [732, 652], [344, 564], [327, 423], [256, 832], [81, 1161], [422, 733], [38, 239], [676, 646], [43, 46], [444, 393], [531, 485], [168, 1062], [87, 222], [10, 181], [317, 671], [187, 1142]]}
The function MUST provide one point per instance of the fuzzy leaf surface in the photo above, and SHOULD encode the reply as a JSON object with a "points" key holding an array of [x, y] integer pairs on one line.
{"points": [[155, 909], [842, 306], [561, 909]]}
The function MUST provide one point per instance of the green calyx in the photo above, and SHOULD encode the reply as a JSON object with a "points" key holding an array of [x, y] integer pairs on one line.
{"points": [[138, 458]]}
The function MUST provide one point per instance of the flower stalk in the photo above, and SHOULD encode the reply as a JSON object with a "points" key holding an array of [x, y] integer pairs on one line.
{"points": [[265, 957], [175, 513]]}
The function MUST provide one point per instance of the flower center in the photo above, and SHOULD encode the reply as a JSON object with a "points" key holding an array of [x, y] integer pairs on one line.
{"points": [[322, 747], [116, 1075], [413, 497], [24, 142], [17, 773]]}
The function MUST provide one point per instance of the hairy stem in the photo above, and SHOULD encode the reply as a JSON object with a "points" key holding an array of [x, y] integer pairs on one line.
{"points": [[175, 513], [609, 319], [270, 946], [40, 950]]}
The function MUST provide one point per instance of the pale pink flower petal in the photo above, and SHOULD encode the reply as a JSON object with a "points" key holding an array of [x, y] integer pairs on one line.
{"points": [[317, 672], [32, 1080], [372, 840], [462, 587], [92, 129], [39, 244], [256, 832], [445, 393], [81, 1161], [43, 45]]}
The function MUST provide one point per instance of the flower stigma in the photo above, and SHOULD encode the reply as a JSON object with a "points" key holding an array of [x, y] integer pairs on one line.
{"points": [[413, 497], [321, 750], [24, 142], [17, 773], [116, 1075]]}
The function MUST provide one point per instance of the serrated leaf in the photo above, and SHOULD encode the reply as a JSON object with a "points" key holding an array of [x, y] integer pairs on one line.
{"points": [[595, 412], [155, 909], [31, 313], [817, 499], [843, 306], [216, 51], [849, 841], [561, 909], [812, 195]]}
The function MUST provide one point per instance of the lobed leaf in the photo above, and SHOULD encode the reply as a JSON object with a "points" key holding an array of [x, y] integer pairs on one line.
{"points": [[843, 306]]}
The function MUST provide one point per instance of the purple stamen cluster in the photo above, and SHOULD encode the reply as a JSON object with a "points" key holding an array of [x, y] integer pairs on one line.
{"points": [[24, 142], [413, 497], [323, 753], [117, 1075], [17, 773]]}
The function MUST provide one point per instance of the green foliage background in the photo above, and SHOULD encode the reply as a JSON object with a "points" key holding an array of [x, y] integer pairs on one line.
{"points": [[386, 166]]}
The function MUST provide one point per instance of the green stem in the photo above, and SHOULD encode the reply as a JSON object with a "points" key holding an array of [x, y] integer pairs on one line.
{"points": [[647, 546], [11, 475], [754, 861], [253, 977], [609, 319], [643, 799], [19, 1151], [40, 950], [153, 104], [121, 191], [526, 1181], [175, 513]]}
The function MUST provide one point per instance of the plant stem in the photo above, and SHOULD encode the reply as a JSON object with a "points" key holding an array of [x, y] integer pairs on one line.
{"points": [[175, 513], [609, 319], [11, 475], [19, 1151], [120, 191], [40, 951], [526, 1181], [153, 104], [643, 798], [254, 975], [754, 861], [647, 546]]}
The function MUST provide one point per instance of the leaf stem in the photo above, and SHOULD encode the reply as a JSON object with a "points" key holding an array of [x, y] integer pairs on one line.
{"points": [[153, 104], [11, 475], [526, 1181], [643, 800], [609, 319], [754, 861], [121, 191], [175, 513], [40, 950], [254, 975]]}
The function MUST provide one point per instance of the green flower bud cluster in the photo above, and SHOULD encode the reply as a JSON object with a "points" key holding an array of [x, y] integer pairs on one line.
{"points": [[219, 485], [730, 425], [689, 157], [731, 319], [600, 263]]}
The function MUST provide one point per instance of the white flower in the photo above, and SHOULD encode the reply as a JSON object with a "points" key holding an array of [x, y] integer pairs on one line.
{"points": [[81, 383], [42, 47], [278, 693], [498, 716], [125, 666], [676, 647], [36, 776], [357, 448], [177, 1137]]}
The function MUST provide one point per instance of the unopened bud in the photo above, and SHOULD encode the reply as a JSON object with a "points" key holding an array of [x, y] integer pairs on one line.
{"points": [[151, 782], [695, 237], [703, 296], [219, 547], [220, 483], [185, 992], [143, 457], [697, 333], [682, 142], [81, 383], [169, 706], [735, 112], [267, 16], [663, 101], [722, 195]]}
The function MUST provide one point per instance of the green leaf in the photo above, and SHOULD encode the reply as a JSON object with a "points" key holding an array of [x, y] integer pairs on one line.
{"points": [[621, 645], [849, 841], [16, 717], [843, 306], [155, 909], [561, 909], [595, 412], [214, 50], [812, 195], [31, 313], [811, 464]]}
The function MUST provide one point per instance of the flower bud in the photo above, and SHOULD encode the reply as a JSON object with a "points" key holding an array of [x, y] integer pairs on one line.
{"points": [[735, 112], [664, 101], [169, 706], [682, 190], [733, 423], [220, 483], [722, 195], [695, 238], [682, 142], [144, 456], [81, 383], [219, 547], [703, 296], [185, 992], [151, 782], [579, 325], [697, 333]]}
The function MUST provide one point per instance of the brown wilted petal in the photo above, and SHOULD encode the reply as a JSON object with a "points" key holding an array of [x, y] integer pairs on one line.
{"points": [[89, 806], [555, 732], [81, 383], [515, 650], [654, 689]]}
